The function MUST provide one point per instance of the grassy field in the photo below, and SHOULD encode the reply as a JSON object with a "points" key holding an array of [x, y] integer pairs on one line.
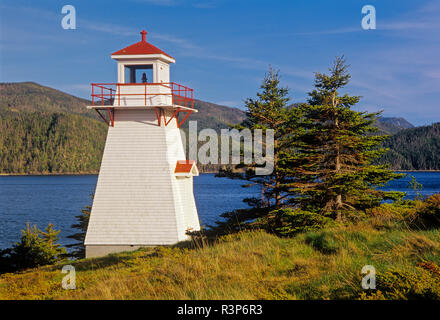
{"points": [[253, 265]]}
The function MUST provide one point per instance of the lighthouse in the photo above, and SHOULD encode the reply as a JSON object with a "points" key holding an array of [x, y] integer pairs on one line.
{"points": [[144, 193]]}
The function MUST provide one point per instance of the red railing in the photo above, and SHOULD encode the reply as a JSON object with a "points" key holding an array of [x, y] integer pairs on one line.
{"points": [[105, 93]]}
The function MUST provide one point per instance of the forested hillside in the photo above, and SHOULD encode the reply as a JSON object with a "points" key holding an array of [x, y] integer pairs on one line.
{"points": [[214, 116], [50, 143], [31, 97], [414, 149], [43, 130]]}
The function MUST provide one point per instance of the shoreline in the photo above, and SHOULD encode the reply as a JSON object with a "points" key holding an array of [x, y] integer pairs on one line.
{"points": [[48, 174], [37, 174], [417, 170]]}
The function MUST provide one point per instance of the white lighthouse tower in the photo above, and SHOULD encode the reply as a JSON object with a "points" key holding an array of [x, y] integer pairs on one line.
{"points": [[144, 195]]}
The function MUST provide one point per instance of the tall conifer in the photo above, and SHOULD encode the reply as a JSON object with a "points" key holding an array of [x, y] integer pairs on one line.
{"points": [[270, 110], [336, 150]]}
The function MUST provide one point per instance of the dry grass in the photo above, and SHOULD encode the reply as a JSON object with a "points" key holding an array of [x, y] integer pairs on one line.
{"points": [[249, 265]]}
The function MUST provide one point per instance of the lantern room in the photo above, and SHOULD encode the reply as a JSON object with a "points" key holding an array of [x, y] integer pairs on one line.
{"points": [[143, 63], [143, 82]]}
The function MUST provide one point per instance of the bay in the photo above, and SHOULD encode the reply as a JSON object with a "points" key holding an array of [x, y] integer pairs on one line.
{"points": [[58, 199]]}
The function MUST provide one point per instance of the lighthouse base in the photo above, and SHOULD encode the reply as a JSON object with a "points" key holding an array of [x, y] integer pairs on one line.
{"points": [[99, 250]]}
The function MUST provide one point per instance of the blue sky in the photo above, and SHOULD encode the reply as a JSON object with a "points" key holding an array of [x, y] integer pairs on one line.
{"points": [[223, 48]]}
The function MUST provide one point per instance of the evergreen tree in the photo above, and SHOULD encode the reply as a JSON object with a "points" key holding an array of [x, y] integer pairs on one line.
{"points": [[269, 111], [50, 237], [336, 149], [82, 224], [36, 248]]}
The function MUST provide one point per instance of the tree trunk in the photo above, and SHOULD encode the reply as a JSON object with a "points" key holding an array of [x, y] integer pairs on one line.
{"points": [[277, 193], [337, 170], [338, 199], [277, 178]]}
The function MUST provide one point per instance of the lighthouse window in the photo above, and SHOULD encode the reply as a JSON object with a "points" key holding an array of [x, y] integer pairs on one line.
{"points": [[139, 74]]}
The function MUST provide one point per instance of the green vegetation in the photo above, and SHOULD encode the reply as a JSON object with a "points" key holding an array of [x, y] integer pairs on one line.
{"points": [[32, 97], [414, 149], [270, 111], [79, 250], [50, 143], [214, 116], [23, 105], [319, 221], [320, 264], [323, 154], [43, 130], [401, 284], [334, 152], [36, 248]]}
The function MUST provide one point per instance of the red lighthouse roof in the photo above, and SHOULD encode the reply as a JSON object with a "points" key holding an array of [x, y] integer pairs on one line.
{"points": [[186, 167], [141, 47]]}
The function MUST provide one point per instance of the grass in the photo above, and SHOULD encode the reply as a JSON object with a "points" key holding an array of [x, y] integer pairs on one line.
{"points": [[250, 265]]}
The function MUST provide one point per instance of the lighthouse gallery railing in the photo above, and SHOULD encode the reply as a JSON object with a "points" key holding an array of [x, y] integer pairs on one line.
{"points": [[109, 94]]}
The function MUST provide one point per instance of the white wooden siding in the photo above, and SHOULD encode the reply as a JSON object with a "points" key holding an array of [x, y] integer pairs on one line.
{"points": [[138, 199], [157, 95]]}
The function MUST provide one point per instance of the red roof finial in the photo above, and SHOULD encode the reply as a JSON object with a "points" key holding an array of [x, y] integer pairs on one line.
{"points": [[142, 47], [144, 35]]}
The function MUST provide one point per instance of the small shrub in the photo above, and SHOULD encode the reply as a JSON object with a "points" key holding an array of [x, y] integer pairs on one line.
{"points": [[417, 213], [417, 187], [323, 242], [288, 222], [36, 248], [428, 212], [389, 211], [431, 267], [375, 295], [423, 284], [387, 215]]}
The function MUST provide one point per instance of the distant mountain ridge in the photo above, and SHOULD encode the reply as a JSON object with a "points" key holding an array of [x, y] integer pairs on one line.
{"points": [[414, 149], [44, 130], [392, 125], [214, 116], [33, 97]]}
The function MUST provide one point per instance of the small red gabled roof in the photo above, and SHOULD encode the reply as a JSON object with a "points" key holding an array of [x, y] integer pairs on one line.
{"points": [[141, 47], [186, 166]]}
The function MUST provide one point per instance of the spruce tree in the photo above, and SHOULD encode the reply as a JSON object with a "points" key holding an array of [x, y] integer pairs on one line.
{"points": [[50, 237], [270, 110], [336, 150], [36, 248]]}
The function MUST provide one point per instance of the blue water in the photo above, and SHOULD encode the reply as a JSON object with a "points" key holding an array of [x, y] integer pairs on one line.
{"points": [[58, 199]]}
